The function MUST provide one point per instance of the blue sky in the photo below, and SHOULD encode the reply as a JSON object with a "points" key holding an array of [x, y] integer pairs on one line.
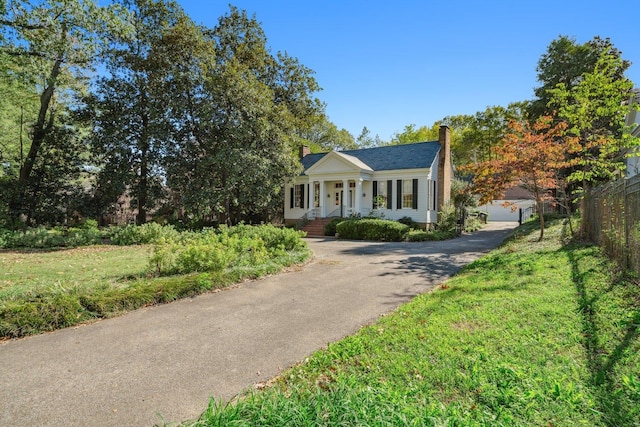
{"points": [[385, 65]]}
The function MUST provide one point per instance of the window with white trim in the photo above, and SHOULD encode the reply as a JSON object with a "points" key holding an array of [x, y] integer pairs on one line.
{"points": [[382, 194], [407, 194]]}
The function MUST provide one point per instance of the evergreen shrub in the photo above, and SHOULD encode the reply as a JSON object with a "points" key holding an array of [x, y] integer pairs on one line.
{"points": [[372, 229]]}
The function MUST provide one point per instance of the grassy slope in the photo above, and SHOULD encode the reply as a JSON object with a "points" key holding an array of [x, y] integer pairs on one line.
{"points": [[538, 334], [46, 290]]}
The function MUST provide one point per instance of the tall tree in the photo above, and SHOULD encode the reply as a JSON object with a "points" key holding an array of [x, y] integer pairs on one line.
{"points": [[131, 112], [528, 156], [54, 44], [565, 62], [18, 108], [595, 110], [254, 109], [411, 134], [323, 135], [366, 140], [473, 136]]}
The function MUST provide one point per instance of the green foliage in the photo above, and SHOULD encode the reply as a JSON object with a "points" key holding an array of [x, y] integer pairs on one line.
{"points": [[448, 219], [208, 255], [426, 236], [330, 227], [58, 237], [276, 239], [211, 250], [366, 140], [132, 234], [52, 46], [411, 135], [372, 229], [324, 136], [201, 104], [473, 221], [472, 136], [268, 99], [409, 222], [564, 63], [595, 110]]}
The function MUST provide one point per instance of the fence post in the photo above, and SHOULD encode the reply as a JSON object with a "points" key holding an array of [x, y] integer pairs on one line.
{"points": [[520, 216]]}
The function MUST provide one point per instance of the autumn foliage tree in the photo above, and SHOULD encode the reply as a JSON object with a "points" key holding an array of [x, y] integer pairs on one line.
{"points": [[529, 156]]}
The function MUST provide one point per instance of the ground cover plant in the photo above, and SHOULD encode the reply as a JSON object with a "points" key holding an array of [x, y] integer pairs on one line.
{"points": [[42, 290], [56, 237], [533, 334]]}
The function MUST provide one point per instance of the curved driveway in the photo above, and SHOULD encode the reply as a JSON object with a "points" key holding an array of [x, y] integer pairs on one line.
{"points": [[168, 360]]}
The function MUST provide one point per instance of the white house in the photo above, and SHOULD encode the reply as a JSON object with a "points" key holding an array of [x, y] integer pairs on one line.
{"points": [[412, 180]]}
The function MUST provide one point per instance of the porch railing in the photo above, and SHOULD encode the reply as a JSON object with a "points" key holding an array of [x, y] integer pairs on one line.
{"points": [[333, 214]]}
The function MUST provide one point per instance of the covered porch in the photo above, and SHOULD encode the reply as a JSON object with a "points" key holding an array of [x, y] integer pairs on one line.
{"points": [[338, 185], [339, 198]]}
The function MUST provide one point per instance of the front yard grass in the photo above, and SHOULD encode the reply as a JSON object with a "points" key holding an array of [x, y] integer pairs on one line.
{"points": [[533, 334], [43, 290]]}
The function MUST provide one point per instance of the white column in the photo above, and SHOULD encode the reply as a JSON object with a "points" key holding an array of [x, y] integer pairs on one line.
{"points": [[358, 195], [323, 200], [312, 197], [345, 196]]}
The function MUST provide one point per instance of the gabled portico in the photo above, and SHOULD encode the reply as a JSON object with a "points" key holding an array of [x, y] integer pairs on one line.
{"points": [[336, 185]]}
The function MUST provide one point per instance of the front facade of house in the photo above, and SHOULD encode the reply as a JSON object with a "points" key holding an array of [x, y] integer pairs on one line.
{"points": [[397, 181]]}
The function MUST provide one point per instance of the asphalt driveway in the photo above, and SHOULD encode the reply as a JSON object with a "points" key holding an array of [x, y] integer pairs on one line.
{"points": [[167, 361]]}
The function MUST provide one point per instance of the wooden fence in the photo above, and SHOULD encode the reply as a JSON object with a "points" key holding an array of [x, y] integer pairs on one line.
{"points": [[612, 220]]}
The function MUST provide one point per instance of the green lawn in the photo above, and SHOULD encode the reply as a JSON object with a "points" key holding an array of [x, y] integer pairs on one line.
{"points": [[43, 290], [33, 271], [534, 334]]}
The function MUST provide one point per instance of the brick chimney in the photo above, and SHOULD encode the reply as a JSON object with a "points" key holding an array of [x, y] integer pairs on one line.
{"points": [[304, 150], [444, 168]]}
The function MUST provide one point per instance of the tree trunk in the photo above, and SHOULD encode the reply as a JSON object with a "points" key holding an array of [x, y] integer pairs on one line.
{"points": [[142, 189], [40, 130], [541, 216], [143, 184], [567, 203], [41, 127], [583, 209]]}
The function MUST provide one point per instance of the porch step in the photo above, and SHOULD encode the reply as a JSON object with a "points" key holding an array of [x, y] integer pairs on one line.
{"points": [[316, 227]]}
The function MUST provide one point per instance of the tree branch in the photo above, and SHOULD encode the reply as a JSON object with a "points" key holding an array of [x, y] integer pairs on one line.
{"points": [[14, 24]]}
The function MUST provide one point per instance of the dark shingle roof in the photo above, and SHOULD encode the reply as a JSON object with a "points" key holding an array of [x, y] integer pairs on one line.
{"points": [[390, 157]]}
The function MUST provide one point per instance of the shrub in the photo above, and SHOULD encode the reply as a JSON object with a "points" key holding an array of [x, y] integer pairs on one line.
{"points": [[447, 219], [228, 247], [330, 228], [408, 221], [200, 257], [473, 223], [372, 229], [58, 237], [276, 239], [150, 232]]}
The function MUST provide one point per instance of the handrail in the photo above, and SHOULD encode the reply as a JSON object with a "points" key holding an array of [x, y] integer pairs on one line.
{"points": [[335, 213]]}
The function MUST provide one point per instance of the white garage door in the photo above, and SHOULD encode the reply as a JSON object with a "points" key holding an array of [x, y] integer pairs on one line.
{"points": [[497, 212]]}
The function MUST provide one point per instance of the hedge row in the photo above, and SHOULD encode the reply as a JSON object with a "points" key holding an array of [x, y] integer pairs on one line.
{"points": [[372, 229], [383, 230]]}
